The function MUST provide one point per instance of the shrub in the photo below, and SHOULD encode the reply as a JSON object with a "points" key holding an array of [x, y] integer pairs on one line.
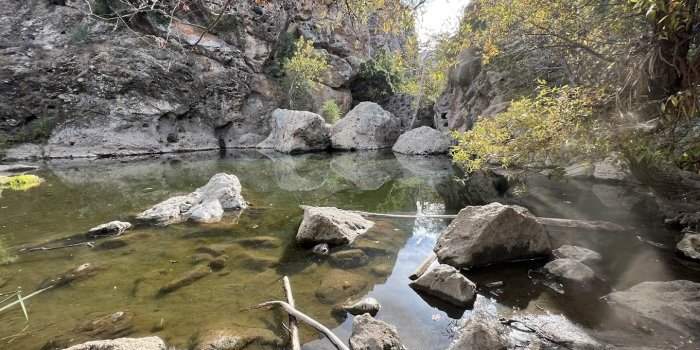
{"points": [[330, 111], [303, 67]]}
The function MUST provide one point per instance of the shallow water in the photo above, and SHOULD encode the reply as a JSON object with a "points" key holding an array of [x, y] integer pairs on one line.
{"points": [[81, 194]]}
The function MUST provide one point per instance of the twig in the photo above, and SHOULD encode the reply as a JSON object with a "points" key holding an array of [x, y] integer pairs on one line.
{"points": [[306, 319], [293, 328], [423, 267], [34, 249], [24, 298]]}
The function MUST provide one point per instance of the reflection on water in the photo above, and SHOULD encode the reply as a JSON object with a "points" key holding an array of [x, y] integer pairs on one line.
{"points": [[255, 250]]}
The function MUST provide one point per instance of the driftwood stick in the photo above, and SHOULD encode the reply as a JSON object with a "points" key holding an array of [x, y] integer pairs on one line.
{"points": [[42, 249], [293, 328], [308, 320], [423, 267], [590, 225]]}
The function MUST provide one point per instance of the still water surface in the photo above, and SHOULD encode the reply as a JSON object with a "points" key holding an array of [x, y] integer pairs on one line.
{"points": [[80, 194]]}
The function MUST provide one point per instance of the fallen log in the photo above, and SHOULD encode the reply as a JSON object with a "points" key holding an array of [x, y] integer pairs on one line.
{"points": [[293, 328], [589, 225], [423, 267], [306, 319]]}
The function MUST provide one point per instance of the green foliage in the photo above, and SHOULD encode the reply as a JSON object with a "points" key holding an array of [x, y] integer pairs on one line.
{"points": [[302, 68], [330, 111], [382, 76], [550, 128], [20, 182]]}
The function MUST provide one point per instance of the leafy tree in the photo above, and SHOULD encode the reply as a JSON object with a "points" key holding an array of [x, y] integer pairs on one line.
{"points": [[302, 68]]}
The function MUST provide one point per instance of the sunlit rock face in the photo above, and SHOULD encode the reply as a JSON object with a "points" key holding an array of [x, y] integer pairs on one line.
{"points": [[86, 88]]}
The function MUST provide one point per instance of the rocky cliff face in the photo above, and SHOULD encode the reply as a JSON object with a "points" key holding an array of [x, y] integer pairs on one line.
{"points": [[89, 87]]}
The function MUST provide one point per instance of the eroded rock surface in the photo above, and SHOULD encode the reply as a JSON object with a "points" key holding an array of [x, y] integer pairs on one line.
{"points": [[149, 343], [372, 334], [571, 272], [689, 246], [206, 204], [296, 132], [330, 225], [367, 126], [580, 254], [423, 141], [448, 284], [489, 234]]}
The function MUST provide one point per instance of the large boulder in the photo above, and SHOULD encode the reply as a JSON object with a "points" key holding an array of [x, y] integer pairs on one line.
{"points": [[148, 343], [489, 234], [367, 126], [483, 331], [423, 140], [330, 225], [369, 333], [660, 307], [297, 131], [199, 206], [689, 246], [447, 283]]}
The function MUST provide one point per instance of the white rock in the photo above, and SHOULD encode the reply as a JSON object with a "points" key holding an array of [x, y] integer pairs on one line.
{"points": [[367, 126], [297, 131], [422, 141], [331, 225], [447, 283], [112, 228], [148, 343]]}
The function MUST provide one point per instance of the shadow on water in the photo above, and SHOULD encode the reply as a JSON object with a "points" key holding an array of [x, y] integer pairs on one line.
{"points": [[255, 249]]}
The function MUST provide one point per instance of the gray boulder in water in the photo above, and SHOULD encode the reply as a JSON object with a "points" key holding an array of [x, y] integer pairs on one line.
{"points": [[371, 334], [423, 141], [671, 308], [367, 126], [689, 246], [570, 272], [198, 205], [367, 305], [580, 254], [112, 228], [489, 234], [148, 343], [446, 283], [331, 225], [296, 132]]}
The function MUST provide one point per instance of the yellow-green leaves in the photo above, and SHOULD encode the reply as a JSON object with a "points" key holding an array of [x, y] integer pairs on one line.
{"points": [[303, 67], [19, 182], [555, 125]]}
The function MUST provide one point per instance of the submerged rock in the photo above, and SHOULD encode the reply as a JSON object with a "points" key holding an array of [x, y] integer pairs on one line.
{"points": [[689, 246], [16, 168], [350, 258], [489, 234], [423, 141], [114, 325], [296, 132], [112, 228], [484, 331], [338, 285], [367, 126], [321, 249], [367, 305], [79, 273], [206, 204], [229, 339], [446, 283], [571, 272], [372, 334], [185, 280], [148, 343], [331, 225], [660, 307], [267, 242], [580, 254]]}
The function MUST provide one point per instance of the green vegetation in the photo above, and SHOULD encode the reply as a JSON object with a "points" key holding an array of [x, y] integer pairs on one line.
{"points": [[602, 67], [382, 76], [330, 111], [19, 182], [555, 125], [301, 69]]}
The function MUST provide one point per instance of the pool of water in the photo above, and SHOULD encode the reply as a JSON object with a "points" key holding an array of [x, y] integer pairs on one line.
{"points": [[80, 194]]}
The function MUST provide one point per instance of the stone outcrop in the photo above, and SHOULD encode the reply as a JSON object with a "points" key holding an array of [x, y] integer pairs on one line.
{"points": [[330, 225], [423, 141], [205, 205], [448, 284], [148, 343], [689, 246], [489, 234], [580, 254], [112, 228], [297, 132], [372, 334], [367, 126], [663, 308], [570, 272], [83, 87]]}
